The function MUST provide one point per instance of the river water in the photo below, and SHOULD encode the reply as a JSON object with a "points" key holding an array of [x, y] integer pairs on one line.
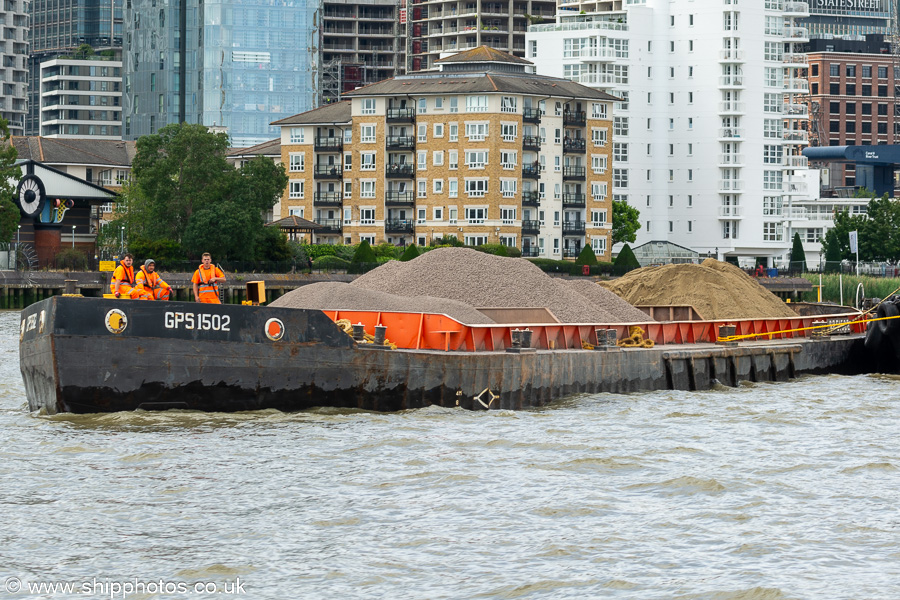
{"points": [[767, 491]]}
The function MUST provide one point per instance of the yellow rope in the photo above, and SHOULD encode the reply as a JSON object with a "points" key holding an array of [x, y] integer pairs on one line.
{"points": [[735, 338]]}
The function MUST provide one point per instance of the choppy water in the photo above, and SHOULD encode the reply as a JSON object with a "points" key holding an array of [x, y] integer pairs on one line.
{"points": [[767, 491]]}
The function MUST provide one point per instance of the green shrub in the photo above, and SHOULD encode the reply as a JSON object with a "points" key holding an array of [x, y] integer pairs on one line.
{"points": [[586, 257], [162, 250], [385, 250], [496, 249], [364, 253], [330, 262], [71, 259], [626, 259], [411, 252], [272, 245], [447, 240]]}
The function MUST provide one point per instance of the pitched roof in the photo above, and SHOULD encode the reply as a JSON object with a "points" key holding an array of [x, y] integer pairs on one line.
{"points": [[474, 83], [483, 54], [80, 151], [338, 112], [294, 222], [270, 148]]}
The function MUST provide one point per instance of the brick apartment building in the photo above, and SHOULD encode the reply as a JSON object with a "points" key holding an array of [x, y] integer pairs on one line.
{"points": [[483, 149]]}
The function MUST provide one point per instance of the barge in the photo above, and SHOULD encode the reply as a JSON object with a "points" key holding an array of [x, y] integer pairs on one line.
{"points": [[85, 355]]}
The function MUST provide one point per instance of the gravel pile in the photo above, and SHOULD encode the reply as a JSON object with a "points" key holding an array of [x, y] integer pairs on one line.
{"points": [[485, 280], [717, 290], [341, 296]]}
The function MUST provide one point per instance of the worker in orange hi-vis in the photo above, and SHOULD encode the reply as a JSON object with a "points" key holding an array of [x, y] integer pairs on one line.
{"points": [[123, 283], [206, 281], [150, 284]]}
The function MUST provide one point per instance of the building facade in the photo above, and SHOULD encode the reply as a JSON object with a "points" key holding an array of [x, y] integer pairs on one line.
{"points": [[439, 28], [362, 42], [709, 133], [482, 150], [848, 18], [226, 64], [80, 98], [13, 69], [58, 28]]}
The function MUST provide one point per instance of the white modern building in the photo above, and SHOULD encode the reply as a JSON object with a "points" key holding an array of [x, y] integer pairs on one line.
{"points": [[707, 140], [13, 70], [81, 98]]}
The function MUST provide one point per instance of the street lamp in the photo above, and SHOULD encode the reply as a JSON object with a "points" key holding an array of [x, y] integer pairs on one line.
{"points": [[18, 238], [122, 240], [73, 237]]}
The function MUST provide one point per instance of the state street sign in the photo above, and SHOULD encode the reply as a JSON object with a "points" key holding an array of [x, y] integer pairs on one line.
{"points": [[833, 6]]}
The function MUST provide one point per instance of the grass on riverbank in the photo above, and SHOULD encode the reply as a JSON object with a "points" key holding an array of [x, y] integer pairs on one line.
{"points": [[873, 287]]}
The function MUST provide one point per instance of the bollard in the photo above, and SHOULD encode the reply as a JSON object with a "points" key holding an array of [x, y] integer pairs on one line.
{"points": [[726, 331], [612, 337], [601, 337], [526, 338], [380, 331], [70, 286], [359, 332], [516, 335]]}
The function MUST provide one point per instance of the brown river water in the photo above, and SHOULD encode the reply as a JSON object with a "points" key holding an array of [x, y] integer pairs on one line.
{"points": [[766, 491]]}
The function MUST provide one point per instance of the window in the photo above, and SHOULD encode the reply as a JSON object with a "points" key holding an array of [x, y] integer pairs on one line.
{"points": [[598, 218], [557, 136], [476, 132], [437, 158], [366, 216], [297, 162], [368, 106], [454, 104], [620, 152], [366, 188], [772, 181], [772, 155], [773, 232], [422, 106], [476, 214], [557, 164], [348, 189], [438, 186], [476, 159], [348, 135], [439, 103], [598, 190], [421, 160], [296, 189], [476, 188], [367, 134], [851, 71], [598, 164], [476, 103], [438, 212], [421, 188], [453, 192], [453, 156], [507, 215], [598, 137], [438, 130], [454, 132], [422, 133], [772, 206], [366, 161], [598, 245], [598, 110], [508, 159], [296, 212], [508, 104], [348, 161], [297, 135], [620, 178], [509, 132]]}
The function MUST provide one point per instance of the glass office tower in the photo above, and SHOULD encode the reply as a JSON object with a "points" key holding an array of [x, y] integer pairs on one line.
{"points": [[232, 64]]}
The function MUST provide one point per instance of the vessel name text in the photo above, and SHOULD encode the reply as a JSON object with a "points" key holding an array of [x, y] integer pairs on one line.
{"points": [[203, 321]]}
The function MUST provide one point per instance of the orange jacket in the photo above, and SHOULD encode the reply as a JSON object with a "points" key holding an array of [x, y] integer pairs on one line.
{"points": [[149, 281], [202, 277]]}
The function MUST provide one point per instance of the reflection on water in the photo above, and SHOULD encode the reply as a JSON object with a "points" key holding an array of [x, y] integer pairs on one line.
{"points": [[784, 490]]}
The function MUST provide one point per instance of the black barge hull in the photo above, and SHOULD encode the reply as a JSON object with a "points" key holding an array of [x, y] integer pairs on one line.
{"points": [[86, 355]]}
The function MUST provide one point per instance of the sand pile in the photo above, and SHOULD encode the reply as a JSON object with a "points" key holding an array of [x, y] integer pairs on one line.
{"points": [[600, 296], [341, 296], [485, 280], [717, 290]]}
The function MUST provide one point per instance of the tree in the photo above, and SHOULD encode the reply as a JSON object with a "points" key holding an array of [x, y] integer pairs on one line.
{"points": [[625, 222], [832, 248], [626, 260], [411, 252], [84, 51], [879, 233], [9, 175], [586, 256], [798, 255], [183, 189], [364, 253]]}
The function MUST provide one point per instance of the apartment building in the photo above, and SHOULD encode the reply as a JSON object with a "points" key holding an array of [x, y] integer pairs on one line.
{"points": [[13, 68], [709, 131], [438, 28], [362, 42], [80, 97], [848, 18], [483, 150]]}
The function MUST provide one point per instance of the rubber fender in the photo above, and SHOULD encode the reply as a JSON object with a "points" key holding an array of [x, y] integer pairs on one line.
{"points": [[889, 327], [873, 337]]}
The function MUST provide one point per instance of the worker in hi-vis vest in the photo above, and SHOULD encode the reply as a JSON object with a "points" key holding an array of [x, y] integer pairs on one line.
{"points": [[206, 281]]}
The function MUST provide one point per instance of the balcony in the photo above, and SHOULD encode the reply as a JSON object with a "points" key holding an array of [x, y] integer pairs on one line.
{"points": [[731, 160], [796, 9], [732, 108], [401, 171], [399, 226], [795, 162], [796, 213], [576, 118], [731, 55], [728, 186], [796, 136], [531, 228], [571, 252], [329, 226], [401, 115], [327, 199], [395, 198], [731, 133], [574, 145], [573, 200], [531, 171], [530, 251], [328, 172], [796, 86], [798, 35], [531, 198], [730, 81], [796, 111], [794, 187], [731, 212], [531, 115], [573, 228], [577, 173], [328, 144], [531, 142], [400, 142]]}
